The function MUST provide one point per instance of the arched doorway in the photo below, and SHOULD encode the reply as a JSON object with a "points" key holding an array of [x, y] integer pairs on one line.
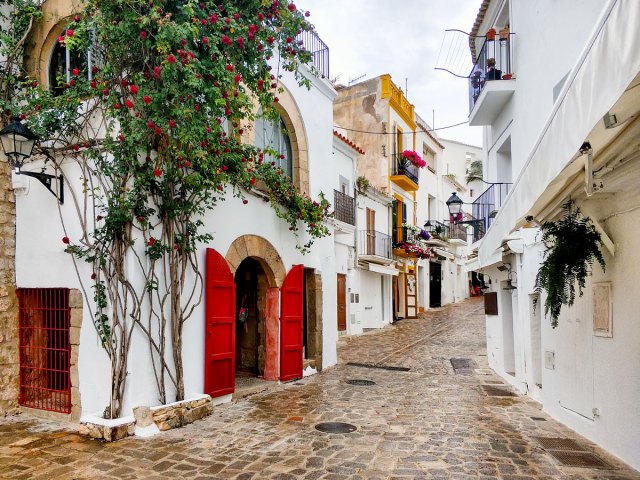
{"points": [[251, 327]]}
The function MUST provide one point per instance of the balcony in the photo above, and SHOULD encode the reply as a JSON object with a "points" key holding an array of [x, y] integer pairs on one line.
{"points": [[374, 247], [344, 207], [469, 230], [404, 173], [319, 52], [409, 243], [486, 206], [491, 89]]}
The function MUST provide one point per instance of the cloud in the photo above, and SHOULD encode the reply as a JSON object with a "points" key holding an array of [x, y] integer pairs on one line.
{"points": [[401, 38]]}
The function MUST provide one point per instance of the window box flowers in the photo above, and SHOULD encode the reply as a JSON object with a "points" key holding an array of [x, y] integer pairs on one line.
{"points": [[413, 157]]}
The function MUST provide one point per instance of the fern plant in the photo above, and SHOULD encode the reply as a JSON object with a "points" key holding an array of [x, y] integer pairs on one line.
{"points": [[572, 245]]}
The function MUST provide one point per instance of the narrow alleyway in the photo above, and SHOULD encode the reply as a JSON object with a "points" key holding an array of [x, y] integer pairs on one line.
{"points": [[427, 422]]}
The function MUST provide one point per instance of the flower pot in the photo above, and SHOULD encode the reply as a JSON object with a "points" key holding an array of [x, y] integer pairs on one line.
{"points": [[504, 33], [507, 76], [491, 34]]}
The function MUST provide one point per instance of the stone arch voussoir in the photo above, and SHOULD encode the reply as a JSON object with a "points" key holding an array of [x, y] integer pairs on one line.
{"points": [[260, 249]]}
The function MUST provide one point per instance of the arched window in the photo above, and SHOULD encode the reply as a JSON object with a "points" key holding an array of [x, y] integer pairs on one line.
{"points": [[63, 60], [273, 135]]}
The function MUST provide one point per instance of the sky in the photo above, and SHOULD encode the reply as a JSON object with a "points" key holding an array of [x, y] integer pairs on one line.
{"points": [[402, 38]]}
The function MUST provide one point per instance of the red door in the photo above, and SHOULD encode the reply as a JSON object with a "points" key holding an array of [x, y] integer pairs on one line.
{"points": [[291, 312], [220, 327]]}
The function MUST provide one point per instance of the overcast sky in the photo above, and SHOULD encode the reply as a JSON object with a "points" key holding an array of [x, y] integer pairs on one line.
{"points": [[402, 38]]}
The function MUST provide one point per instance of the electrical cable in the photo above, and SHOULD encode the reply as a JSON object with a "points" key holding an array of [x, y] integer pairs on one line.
{"points": [[403, 133]]}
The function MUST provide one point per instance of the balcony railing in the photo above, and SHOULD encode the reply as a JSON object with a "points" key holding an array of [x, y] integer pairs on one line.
{"points": [[344, 207], [481, 73], [319, 51], [371, 242], [405, 167], [486, 206], [469, 230]]}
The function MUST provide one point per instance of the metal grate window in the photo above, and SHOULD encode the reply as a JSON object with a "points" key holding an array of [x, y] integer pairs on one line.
{"points": [[45, 350], [344, 207]]}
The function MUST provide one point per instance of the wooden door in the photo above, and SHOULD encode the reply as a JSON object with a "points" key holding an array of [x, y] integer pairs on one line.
{"points": [[411, 294], [435, 284], [220, 327], [371, 232], [291, 326], [342, 302]]}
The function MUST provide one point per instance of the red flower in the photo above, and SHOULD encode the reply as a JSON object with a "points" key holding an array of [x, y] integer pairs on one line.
{"points": [[171, 58], [289, 39], [141, 218], [260, 17], [237, 78], [66, 240], [245, 201], [151, 241], [69, 32], [205, 40], [157, 172], [93, 276], [226, 40], [230, 68], [187, 163], [93, 83], [121, 137], [213, 18], [156, 72], [143, 35], [76, 18], [128, 103], [150, 124], [133, 89], [307, 14], [183, 42], [60, 39], [76, 71], [116, 106], [252, 181], [292, 7], [172, 123], [270, 40], [146, 99]]}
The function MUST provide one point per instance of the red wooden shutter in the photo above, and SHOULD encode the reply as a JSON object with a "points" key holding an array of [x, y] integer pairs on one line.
{"points": [[220, 327], [291, 311]]}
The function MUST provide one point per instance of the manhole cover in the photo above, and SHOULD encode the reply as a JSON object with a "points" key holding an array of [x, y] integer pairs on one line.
{"points": [[460, 363], [497, 392], [555, 443], [360, 382], [580, 459], [335, 427], [381, 367]]}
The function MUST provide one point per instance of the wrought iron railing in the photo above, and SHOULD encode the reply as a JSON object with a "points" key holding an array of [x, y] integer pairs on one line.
{"points": [[371, 242], [344, 207], [319, 51], [469, 230], [402, 166], [498, 49], [486, 206]]}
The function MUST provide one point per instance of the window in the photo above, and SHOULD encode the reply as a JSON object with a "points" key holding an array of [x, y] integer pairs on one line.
{"points": [[273, 135], [45, 348], [399, 218], [63, 61], [371, 231], [398, 142], [429, 156]]}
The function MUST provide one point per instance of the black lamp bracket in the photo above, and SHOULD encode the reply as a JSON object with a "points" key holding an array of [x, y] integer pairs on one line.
{"points": [[47, 180]]}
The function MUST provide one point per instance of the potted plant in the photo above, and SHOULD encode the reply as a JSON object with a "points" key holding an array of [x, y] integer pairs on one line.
{"points": [[572, 246], [409, 156], [504, 33], [491, 34]]}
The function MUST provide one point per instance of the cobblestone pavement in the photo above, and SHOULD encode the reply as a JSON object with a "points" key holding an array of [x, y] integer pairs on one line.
{"points": [[428, 422]]}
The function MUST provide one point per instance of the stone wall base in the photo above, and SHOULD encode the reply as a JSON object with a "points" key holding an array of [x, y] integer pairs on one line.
{"points": [[165, 417]]}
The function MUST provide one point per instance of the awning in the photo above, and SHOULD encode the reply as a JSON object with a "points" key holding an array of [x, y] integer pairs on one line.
{"points": [[587, 95], [384, 270]]}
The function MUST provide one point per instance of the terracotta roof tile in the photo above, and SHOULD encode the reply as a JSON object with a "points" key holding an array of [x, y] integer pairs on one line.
{"points": [[348, 142]]}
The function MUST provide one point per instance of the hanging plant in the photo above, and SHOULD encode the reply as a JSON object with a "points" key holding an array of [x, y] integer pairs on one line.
{"points": [[572, 245]]}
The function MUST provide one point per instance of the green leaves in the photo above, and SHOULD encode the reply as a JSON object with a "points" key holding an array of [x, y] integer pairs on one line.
{"points": [[572, 245]]}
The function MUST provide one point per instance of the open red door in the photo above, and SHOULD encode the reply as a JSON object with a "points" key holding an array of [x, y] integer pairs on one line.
{"points": [[291, 312], [220, 327]]}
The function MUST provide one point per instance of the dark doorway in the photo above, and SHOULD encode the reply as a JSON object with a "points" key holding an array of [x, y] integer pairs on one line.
{"points": [[251, 284], [435, 284]]}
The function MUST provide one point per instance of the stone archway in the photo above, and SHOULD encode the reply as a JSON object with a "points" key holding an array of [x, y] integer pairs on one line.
{"points": [[260, 250]]}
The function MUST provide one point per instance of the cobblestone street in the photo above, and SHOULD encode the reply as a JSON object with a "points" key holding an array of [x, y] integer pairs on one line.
{"points": [[427, 422]]}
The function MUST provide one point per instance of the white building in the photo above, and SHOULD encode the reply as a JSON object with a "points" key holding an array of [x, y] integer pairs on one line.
{"points": [[252, 253], [570, 73]]}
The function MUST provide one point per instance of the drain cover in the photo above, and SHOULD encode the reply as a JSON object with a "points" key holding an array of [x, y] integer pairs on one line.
{"points": [[580, 459], [539, 419], [381, 367], [492, 391], [335, 427], [360, 382], [460, 363], [555, 443]]}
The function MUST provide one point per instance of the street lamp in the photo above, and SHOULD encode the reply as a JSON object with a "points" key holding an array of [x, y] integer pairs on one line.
{"points": [[18, 143], [454, 204], [429, 227]]}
